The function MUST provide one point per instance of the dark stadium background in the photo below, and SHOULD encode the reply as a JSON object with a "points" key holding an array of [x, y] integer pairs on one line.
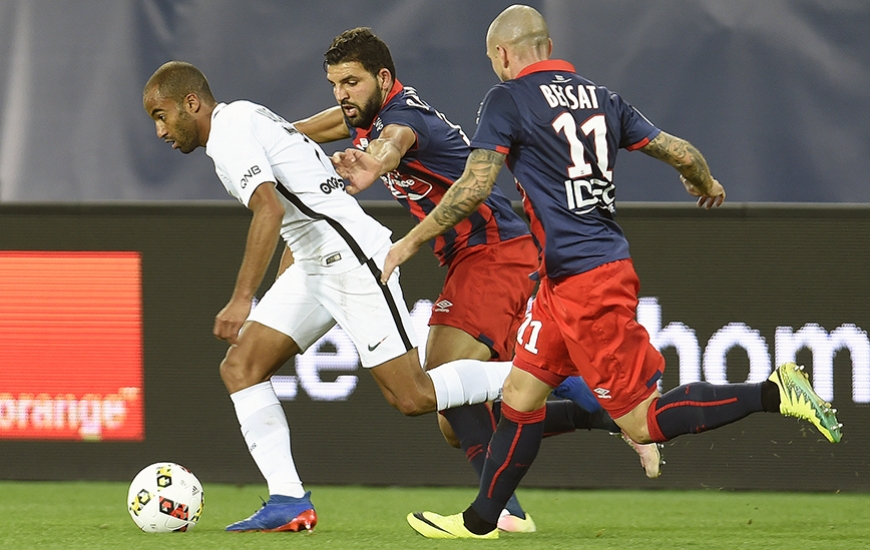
{"points": [[775, 93]]}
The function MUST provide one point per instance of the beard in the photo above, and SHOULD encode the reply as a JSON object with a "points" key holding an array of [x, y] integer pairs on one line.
{"points": [[185, 133], [365, 113]]}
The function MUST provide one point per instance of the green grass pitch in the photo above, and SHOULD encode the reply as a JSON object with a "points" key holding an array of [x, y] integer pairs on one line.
{"points": [[73, 515]]}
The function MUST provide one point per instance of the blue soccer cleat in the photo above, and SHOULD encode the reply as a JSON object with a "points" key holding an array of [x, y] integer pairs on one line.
{"points": [[280, 513]]}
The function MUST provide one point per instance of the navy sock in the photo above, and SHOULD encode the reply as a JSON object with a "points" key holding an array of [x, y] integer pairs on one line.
{"points": [[512, 450], [770, 398], [700, 406], [566, 416], [474, 426]]}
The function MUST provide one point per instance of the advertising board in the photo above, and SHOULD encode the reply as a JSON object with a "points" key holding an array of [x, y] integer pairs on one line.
{"points": [[726, 295]]}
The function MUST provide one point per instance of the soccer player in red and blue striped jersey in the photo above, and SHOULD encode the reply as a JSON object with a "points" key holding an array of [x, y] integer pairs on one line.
{"points": [[490, 255], [559, 134]]}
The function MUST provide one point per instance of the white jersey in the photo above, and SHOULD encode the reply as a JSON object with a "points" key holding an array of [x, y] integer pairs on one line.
{"points": [[326, 228]]}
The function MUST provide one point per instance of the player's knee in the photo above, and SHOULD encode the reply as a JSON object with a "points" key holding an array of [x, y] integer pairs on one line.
{"points": [[635, 424], [636, 428], [409, 407], [235, 373], [414, 405], [229, 372]]}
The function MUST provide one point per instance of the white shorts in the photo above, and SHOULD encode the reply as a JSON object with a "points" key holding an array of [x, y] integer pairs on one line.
{"points": [[305, 306]]}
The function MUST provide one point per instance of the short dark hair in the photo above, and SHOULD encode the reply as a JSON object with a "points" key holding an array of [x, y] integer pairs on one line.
{"points": [[175, 79], [364, 47]]}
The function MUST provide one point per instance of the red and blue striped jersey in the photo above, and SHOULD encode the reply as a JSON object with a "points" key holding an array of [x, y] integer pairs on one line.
{"points": [[561, 133], [430, 167]]}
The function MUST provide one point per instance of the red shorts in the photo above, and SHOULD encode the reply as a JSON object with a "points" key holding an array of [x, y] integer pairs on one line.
{"points": [[486, 293], [585, 324]]}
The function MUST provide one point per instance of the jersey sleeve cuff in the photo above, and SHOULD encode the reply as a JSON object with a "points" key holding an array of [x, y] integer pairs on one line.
{"points": [[491, 147], [644, 141]]}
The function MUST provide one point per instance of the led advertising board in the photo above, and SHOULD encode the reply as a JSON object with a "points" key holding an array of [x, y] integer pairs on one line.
{"points": [[71, 346], [726, 295]]}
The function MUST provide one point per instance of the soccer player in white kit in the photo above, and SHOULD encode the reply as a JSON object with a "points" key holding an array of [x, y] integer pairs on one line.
{"points": [[328, 274]]}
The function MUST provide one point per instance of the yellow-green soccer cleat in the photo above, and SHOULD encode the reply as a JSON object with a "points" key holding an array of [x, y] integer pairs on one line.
{"points": [[433, 526], [797, 398]]}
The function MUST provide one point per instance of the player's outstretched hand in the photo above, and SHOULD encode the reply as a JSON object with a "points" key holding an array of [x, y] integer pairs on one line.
{"points": [[359, 168], [230, 319], [398, 254], [714, 196]]}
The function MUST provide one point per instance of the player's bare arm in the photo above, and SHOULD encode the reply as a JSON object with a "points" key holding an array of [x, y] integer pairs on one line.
{"points": [[327, 125], [469, 191], [395, 140], [692, 166], [463, 198], [262, 240], [362, 169]]}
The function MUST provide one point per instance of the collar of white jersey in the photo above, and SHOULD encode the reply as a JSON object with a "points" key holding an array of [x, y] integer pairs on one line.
{"points": [[219, 107]]}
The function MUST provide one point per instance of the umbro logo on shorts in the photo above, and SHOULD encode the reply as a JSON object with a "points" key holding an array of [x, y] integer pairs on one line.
{"points": [[603, 393], [443, 306]]}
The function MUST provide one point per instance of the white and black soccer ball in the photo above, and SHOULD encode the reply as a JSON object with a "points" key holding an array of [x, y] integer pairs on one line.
{"points": [[165, 497]]}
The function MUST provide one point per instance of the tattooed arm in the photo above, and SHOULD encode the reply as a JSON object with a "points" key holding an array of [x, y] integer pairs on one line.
{"points": [[690, 163], [463, 198]]}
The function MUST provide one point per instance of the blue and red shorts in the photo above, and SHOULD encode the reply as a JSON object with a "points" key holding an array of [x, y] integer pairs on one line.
{"points": [[486, 292], [585, 325]]}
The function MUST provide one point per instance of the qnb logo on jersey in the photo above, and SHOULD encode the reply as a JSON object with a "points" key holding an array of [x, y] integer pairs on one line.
{"points": [[332, 183], [410, 188], [584, 195], [252, 171], [602, 393]]}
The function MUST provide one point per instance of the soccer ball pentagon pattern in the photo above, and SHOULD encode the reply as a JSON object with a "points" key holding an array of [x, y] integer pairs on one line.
{"points": [[165, 497]]}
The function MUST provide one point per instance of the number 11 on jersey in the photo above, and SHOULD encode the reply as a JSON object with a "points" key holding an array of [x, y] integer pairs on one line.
{"points": [[534, 328], [584, 192]]}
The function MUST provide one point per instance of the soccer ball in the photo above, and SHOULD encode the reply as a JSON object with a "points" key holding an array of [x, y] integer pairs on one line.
{"points": [[165, 497]]}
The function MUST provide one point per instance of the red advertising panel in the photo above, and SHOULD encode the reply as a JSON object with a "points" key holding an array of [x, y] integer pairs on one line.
{"points": [[71, 345]]}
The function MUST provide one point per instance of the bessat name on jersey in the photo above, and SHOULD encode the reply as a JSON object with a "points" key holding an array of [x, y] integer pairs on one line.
{"points": [[563, 95]]}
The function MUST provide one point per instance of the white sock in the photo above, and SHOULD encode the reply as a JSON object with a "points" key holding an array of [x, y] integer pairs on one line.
{"points": [[264, 426], [468, 381]]}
